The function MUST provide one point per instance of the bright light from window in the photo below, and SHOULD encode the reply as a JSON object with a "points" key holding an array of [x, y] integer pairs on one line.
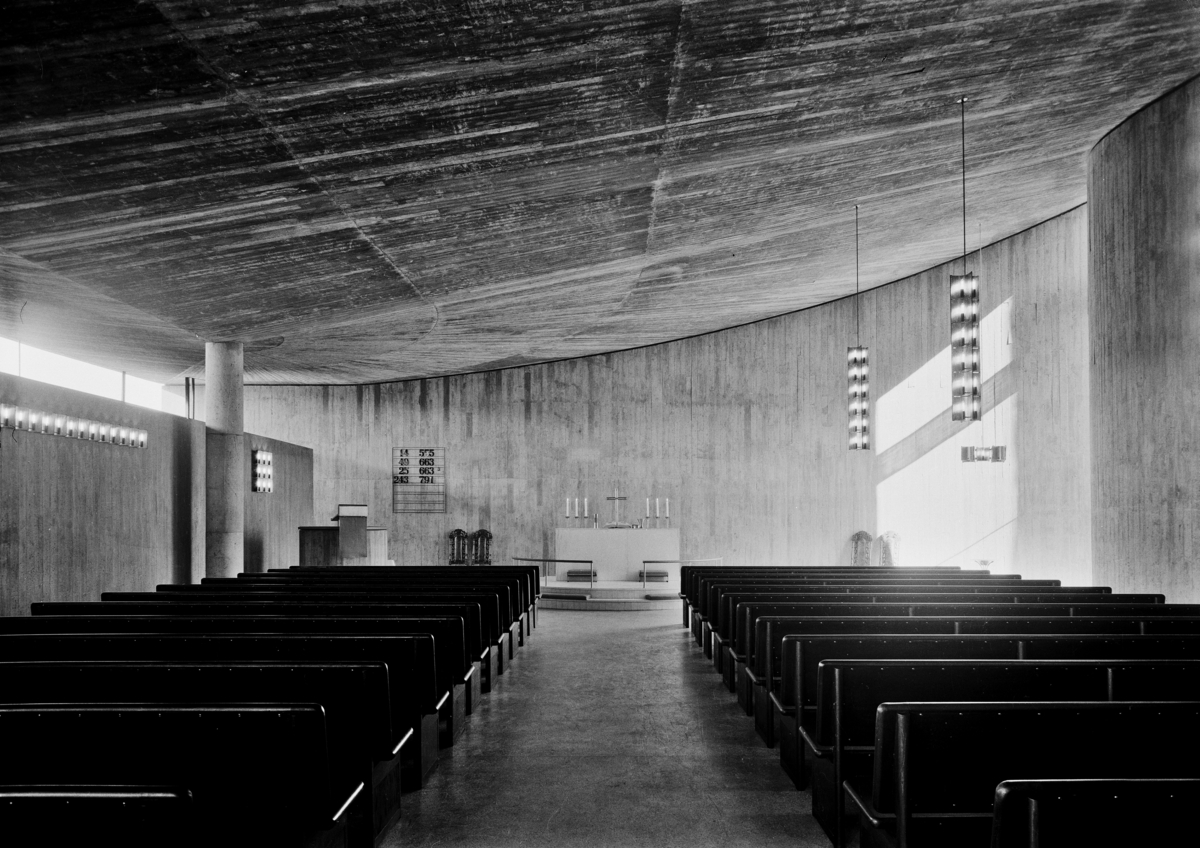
{"points": [[143, 392], [43, 366], [904, 409], [9, 357], [69, 373]]}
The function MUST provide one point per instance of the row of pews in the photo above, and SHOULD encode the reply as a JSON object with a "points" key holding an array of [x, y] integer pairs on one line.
{"points": [[290, 708], [940, 707]]}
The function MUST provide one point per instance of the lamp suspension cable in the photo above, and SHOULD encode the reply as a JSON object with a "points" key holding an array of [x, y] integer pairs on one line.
{"points": [[857, 325], [963, 125], [858, 368]]}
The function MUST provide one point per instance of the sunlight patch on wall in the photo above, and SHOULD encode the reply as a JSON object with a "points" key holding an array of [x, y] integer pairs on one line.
{"points": [[948, 512], [906, 407]]}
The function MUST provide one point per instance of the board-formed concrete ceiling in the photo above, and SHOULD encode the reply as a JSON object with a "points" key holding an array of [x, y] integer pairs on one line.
{"points": [[370, 190]]}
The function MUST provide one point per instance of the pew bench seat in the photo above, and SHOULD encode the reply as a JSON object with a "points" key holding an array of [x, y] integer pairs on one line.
{"points": [[354, 697], [841, 740], [1092, 812], [937, 765], [131, 816], [409, 659], [258, 774]]}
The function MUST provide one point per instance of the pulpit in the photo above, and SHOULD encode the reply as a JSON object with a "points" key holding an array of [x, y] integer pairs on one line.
{"points": [[348, 542]]}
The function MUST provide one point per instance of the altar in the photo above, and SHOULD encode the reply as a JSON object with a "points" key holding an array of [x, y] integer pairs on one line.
{"points": [[617, 553]]}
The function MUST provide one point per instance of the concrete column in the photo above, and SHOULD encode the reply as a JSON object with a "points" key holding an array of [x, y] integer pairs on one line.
{"points": [[226, 470], [1144, 309]]}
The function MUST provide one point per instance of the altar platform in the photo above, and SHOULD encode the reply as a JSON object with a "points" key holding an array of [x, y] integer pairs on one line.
{"points": [[609, 596]]}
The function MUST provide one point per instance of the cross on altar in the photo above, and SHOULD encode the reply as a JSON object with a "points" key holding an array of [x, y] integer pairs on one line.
{"points": [[616, 498]]}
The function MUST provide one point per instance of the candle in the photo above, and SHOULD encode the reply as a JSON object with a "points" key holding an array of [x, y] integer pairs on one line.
{"points": [[585, 509], [577, 507], [668, 507], [656, 512], [568, 508], [647, 507]]}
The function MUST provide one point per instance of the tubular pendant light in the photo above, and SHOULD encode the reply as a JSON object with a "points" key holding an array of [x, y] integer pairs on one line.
{"points": [[858, 372], [965, 385]]}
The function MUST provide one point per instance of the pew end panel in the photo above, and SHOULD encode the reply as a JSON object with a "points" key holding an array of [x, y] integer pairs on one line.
{"points": [[420, 754], [473, 687]]}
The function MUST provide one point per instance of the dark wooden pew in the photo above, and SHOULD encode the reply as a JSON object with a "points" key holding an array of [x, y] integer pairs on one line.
{"points": [[1092, 812], [507, 591], [497, 623], [803, 653], [454, 672], [716, 590], [355, 698], [937, 765], [514, 584], [529, 575], [840, 737], [409, 658], [690, 575], [694, 581], [740, 669], [131, 816], [705, 603], [479, 652], [766, 626], [258, 775], [727, 598], [723, 634], [785, 728], [492, 657]]}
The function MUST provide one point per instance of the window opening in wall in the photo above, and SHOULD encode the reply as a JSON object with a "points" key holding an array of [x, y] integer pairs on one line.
{"points": [[32, 363]]}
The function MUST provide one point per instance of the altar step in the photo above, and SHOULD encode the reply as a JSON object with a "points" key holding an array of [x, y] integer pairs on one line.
{"points": [[608, 597]]}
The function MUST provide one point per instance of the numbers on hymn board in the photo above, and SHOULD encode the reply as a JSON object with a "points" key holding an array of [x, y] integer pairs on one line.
{"points": [[418, 480]]}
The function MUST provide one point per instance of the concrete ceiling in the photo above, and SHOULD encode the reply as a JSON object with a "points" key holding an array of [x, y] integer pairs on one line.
{"points": [[371, 190]]}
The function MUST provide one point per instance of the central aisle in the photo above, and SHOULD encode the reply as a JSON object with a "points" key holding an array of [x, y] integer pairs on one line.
{"points": [[611, 729]]}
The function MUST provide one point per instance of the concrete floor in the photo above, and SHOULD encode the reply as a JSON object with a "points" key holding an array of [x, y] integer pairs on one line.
{"points": [[611, 729]]}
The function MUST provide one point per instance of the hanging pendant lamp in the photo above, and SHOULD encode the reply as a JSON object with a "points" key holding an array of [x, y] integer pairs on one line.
{"points": [[858, 372], [966, 338], [965, 384]]}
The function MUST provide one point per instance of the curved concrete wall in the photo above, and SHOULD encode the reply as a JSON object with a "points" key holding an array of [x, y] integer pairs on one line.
{"points": [[1144, 306], [745, 431]]}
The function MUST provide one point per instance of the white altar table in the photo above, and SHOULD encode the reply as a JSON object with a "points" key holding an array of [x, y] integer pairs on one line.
{"points": [[617, 554]]}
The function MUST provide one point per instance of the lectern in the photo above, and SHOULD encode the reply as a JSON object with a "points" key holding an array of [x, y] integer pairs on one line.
{"points": [[345, 543]]}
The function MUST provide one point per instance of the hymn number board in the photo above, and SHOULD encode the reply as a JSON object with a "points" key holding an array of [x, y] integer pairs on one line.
{"points": [[418, 479]]}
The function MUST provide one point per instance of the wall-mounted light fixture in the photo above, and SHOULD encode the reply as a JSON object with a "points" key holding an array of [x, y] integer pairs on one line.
{"points": [[858, 372], [53, 424], [264, 472], [995, 453]]}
